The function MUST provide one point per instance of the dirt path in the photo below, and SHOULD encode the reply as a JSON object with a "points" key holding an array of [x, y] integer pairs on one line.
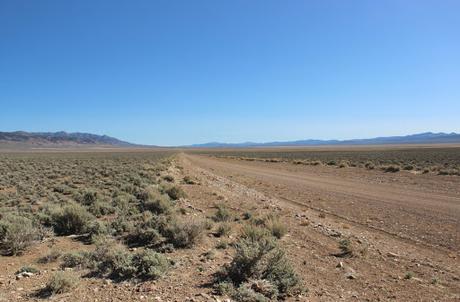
{"points": [[384, 258], [404, 210]]}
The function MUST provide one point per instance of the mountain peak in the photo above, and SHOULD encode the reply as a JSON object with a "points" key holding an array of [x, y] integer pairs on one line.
{"points": [[59, 139]]}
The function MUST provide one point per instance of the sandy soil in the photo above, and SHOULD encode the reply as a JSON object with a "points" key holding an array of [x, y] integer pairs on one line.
{"points": [[399, 225], [402, 223], [405, 206]]}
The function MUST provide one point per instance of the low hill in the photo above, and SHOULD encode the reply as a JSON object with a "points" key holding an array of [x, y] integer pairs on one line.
{"points": [[24, 139], [421, 138]]}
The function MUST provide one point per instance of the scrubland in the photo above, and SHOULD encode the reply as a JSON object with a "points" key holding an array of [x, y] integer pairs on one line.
{"points": [[77, 224], [230, 225]]}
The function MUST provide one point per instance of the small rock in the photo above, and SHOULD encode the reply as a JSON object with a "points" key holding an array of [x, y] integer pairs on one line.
{"points": [[350, 276], [350, 273]]}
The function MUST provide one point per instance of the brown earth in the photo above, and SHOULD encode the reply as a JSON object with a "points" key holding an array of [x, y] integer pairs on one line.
{"points": [[404, 230], [390, 203], [403, 223]]}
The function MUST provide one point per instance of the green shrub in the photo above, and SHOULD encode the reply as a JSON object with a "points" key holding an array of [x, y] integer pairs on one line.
{"points": [[276, 228], [271, 223], [150, 265], [114, 261], [258, 220], [222, 213], [346, 248], [50, 257], [71, 219], [17, 233], [63, 189], [279, 272], [223, 229], [151, 230], [45, 213], [249, 252], [183, 234], [258, 257], [175, 192], [100, 208], [157, 203], [80, 259], [256, 291], [61, 282], [123, 204], [160, 222], [144, 235], [96, 229], [89, 197], [142, 195], [254, 233], [225, 288], [129, 188], [121, 225]]}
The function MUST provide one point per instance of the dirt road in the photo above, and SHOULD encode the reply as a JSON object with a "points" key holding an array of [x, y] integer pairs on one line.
{"points": [[404, 227], [425, 214]]}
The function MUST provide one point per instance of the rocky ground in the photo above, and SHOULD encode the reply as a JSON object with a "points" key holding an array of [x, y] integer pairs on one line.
{"points": [[383, 265]]}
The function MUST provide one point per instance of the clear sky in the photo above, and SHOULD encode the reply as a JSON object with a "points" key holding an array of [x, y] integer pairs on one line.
{"points": [[180, 72]]}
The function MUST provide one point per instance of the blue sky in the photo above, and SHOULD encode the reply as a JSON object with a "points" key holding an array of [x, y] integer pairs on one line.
{"points": [[181, 72]]}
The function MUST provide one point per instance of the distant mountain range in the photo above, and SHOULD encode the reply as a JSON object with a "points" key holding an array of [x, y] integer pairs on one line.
{"points": [[21, 139], [421, 138], [58, 139]]}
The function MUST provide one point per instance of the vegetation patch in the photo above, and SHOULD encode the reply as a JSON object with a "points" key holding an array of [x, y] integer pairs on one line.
{"points": [[71, 219], [17, 233], [59, 283], [259, 270], [222, 214]]}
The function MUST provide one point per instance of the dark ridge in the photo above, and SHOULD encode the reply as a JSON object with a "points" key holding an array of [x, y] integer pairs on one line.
{"points": [[60, 139]]}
